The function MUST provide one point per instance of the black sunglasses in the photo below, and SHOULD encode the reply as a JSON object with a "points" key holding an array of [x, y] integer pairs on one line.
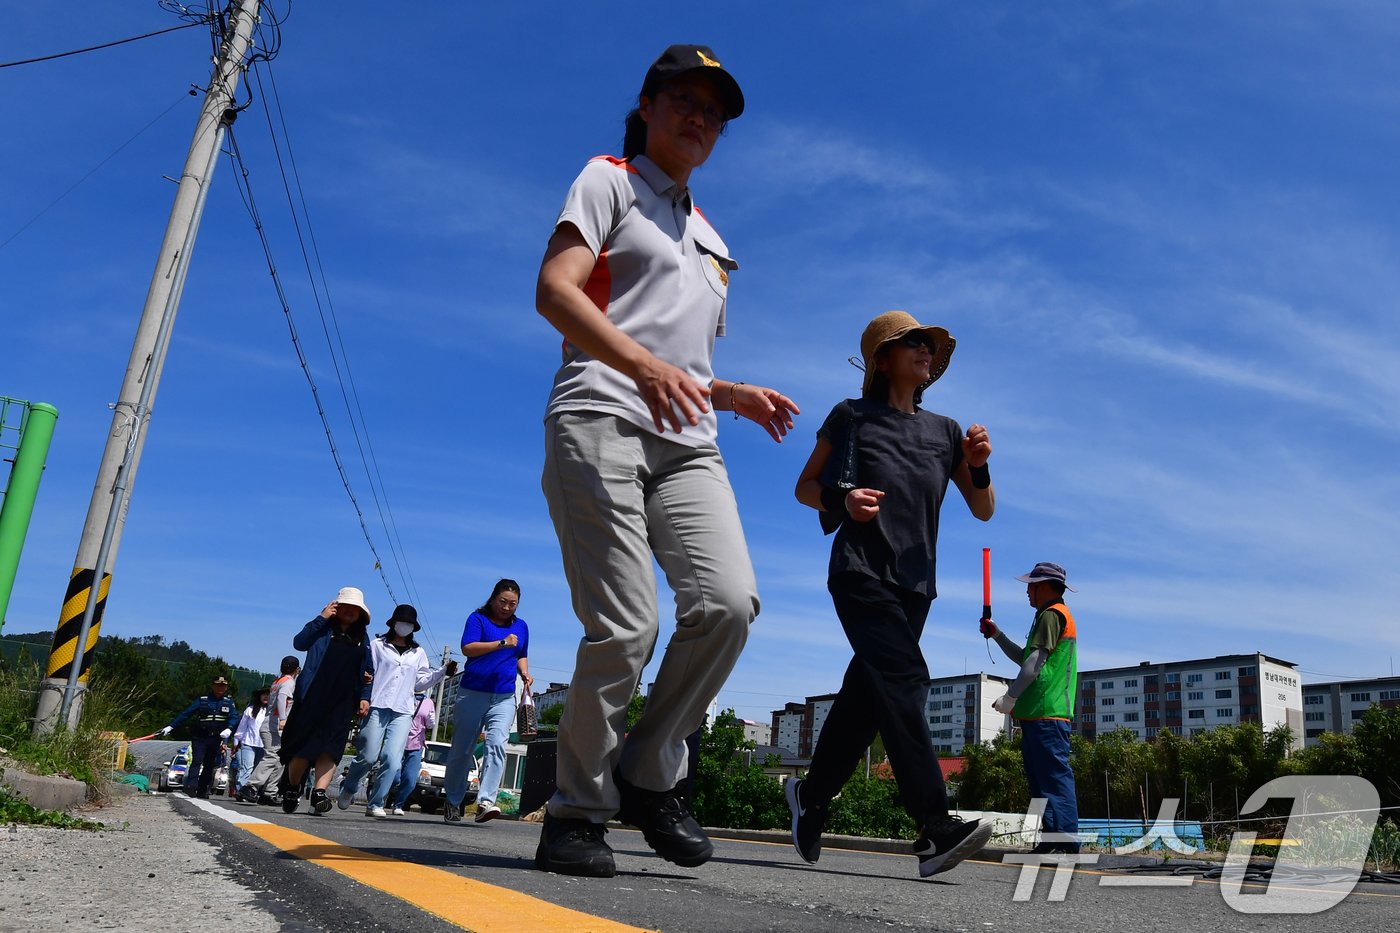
{"points": [[916, 339]]}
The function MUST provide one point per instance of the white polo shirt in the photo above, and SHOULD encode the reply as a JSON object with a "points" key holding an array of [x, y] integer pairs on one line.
{"points": [[661, 275]]}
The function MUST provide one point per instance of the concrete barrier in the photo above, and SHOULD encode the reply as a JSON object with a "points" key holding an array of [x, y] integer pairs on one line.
{"points": [[46, 791]]}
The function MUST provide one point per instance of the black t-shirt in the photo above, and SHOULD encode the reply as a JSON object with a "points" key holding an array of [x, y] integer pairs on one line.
{"points": [[910, 458]]}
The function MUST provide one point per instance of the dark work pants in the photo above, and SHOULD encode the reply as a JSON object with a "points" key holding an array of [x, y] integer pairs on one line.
{"points": [[884, 691], [1045, 752], [204, 761]]}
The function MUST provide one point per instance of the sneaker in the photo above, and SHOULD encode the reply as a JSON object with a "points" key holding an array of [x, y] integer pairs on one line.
{"points": [[345, 797], [666, 823], [290, 801], [574, 847], [397, 811], [247, 795], [320, 803], [376, 813], [808, 822], [267, 800], [487, 813], [947, 842], [451, 814]]}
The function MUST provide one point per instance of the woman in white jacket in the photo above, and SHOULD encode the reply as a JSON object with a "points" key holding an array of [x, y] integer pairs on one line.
{"points": [[401, 669]]}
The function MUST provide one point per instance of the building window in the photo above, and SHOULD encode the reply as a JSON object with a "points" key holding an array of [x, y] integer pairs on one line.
{"points": [[1195, 714], [1313, 699], [1196, 695], [1152, 714], [1087, 717], [1248, 671], [1106, 701], [1196, 732], [1314, 733], [1361, 697], [1249, 711], [1390, 695], [1173, 696], [1357, 714], [1224, 712], [1130, 683], [1107, 685], [1315, 717], [1223, 694], [1194, 678], [1152, 697], [1222, 675], [1106, 717], [1131, 701], [1130, 717], [1174, 679]]}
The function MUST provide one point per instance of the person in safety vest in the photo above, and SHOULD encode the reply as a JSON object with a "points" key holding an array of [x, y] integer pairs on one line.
{"points": [[1041, 699], [212, 718]]}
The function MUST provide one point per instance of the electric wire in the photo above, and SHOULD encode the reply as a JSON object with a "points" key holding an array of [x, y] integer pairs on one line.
{"points": [[396, 546], [243, 182], [358, 425], [93, 171], [105, 45]]}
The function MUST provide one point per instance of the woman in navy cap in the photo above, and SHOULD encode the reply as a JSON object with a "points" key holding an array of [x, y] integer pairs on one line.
{"points": [[637, 280]]}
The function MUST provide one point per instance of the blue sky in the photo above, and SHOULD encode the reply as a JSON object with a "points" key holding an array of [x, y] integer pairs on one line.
{"points": [[1163, 234]]}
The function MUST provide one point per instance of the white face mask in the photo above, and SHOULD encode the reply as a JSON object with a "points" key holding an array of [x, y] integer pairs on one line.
{"points": [[403, 629]]}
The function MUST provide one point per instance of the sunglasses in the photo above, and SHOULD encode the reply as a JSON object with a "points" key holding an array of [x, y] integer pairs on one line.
{"points": [[915, 339]]}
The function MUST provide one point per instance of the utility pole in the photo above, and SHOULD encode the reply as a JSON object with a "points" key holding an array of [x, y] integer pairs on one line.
{"points": [[437, 702], [60, 694]]}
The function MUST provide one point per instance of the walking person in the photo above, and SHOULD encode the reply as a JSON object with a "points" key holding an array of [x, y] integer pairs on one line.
{"points": [[496, 643], [262, 784], [247, 741], [424, 718], [332, 689], [212, 718], [636, 279], [879, 472], [401, 669], [1041, 699]]}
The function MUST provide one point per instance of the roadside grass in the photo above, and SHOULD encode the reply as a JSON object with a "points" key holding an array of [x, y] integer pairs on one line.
{"points": [[83, 753]]}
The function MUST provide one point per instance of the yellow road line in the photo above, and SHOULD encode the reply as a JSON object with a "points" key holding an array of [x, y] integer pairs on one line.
{"points": [[471, 905]]}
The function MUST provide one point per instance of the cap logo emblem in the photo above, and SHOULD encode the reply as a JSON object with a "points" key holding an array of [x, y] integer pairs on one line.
{"points": [[707, 60], [723, 276]]}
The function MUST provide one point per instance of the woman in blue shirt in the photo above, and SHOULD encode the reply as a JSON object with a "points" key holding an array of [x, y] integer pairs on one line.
{"points": [[496, 643]]}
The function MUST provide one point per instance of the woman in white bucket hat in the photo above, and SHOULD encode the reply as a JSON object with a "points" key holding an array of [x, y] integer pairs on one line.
{"points": [[333, 689]]}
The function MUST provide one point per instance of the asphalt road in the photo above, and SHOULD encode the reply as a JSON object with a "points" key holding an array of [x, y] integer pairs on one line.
{"points": [[301, 867]]}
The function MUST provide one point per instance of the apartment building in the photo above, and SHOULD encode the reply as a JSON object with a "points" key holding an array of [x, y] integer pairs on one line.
{"points": [[1336, 706], [787, 727], [1189, 697], [960, 711]]}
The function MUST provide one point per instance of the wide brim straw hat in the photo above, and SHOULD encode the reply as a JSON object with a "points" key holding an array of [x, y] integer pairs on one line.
{"points": [[353, 596], [893, 325]]}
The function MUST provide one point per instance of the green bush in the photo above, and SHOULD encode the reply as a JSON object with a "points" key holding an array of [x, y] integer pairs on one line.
{"points": [[869, 806]]}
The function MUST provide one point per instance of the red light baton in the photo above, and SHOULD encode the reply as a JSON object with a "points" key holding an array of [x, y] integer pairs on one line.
{"points": [[986, 624]]}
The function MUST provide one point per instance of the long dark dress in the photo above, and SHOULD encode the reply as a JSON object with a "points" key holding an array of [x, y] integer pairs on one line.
{"points": [[320, 721]]}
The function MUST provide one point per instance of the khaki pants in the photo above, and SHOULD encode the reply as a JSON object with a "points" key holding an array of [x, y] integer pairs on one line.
{"points": [[619, 495]]}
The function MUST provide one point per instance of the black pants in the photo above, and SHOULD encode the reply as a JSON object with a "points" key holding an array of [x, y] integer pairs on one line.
{"points": [[884, 691], [204, 761]]}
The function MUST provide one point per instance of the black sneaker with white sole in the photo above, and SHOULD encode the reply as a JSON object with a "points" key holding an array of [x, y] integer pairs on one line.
{"points": [[320, 803], [946, 842], [808, 821]]}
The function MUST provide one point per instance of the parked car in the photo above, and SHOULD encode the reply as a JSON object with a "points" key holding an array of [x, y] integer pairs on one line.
{"points": [[431, 791]]}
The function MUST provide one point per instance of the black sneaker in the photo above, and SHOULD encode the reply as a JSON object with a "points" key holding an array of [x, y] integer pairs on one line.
{"points": [[574, 847], [267, 800], [290, 799], [451, 814], [320, 803], [666, 823], [808, 822], [946, 842]]}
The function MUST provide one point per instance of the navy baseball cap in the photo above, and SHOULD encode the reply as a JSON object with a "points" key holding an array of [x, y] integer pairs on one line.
{"points": [[679, 60]]}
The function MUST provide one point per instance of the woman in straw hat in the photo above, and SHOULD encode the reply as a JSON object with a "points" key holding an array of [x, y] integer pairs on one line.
{"points": [[333, 689], [637, 280], [878, 474]]}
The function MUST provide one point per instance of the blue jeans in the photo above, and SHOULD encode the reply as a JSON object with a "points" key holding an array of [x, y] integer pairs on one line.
{"points": [[382, 738], [408, 776], [477, 712], [1045, 752], [248, 758]]}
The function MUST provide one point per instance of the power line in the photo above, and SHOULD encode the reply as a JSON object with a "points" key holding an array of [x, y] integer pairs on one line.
{"points": [[106, 45], [73, 187], [244, 184]]}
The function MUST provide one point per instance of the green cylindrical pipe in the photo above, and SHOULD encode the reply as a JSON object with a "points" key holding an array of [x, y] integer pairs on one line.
{"points": [[23, 489]]}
